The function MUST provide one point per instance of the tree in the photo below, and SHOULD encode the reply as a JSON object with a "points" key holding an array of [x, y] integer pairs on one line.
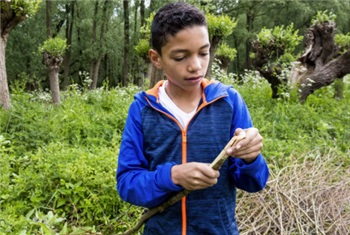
{"points": [[250, 17], [99, 45], [70, 10], [154, 74], [12, 13], [48, 18], [53, 50], [126, 42], [225, 55], [219, 27], [272, 51], [320, 65], [324, 60]]}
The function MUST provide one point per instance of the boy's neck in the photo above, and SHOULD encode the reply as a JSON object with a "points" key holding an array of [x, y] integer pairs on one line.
{"points": [[187, 101]]}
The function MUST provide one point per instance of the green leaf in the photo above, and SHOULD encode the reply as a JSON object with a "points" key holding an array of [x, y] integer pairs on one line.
{"points": [[64, 230], [54, 46]]}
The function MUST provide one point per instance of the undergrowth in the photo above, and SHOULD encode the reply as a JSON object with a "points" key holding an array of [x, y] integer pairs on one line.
{"points": [[58, 162]]}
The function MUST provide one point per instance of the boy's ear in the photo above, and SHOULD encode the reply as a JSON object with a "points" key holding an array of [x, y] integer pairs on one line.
{"points": [[155, 58]]}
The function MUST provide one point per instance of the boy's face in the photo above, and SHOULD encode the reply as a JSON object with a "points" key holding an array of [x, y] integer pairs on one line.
{"points": [[185, 58]]}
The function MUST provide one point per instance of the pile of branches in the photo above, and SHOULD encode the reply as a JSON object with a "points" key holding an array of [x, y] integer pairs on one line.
{"points": [[309, 196]]}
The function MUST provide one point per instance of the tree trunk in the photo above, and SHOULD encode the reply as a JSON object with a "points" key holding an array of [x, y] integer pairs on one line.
{"points": [[322, 61], [79, 30], [142, 12], [270, 71], [224, 63], [94, 39], [238, 57], [100, 44], [213, 46], [48, 19], [336, 68], [134, 60], [54, 85], [94, 73], [272, 76], [154, 74], [4, 89], [69, 32], [126, 42], [53, 64], [248, 47]]}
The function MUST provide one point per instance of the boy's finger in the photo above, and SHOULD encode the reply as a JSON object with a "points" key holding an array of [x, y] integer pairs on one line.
{"points": [[238, 131]]}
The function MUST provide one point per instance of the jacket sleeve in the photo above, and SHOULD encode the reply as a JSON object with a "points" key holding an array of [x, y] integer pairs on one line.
{"points": [[248, 177], [135, 183]]}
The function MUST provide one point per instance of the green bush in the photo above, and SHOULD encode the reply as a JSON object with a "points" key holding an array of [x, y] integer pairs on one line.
{"points": [[220, 26], [343, 40], [54, 46], [224, 51], [322, 17], [62, 158]]}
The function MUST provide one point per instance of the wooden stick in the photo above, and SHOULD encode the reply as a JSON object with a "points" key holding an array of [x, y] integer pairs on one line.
{"points": [[216, 165]]}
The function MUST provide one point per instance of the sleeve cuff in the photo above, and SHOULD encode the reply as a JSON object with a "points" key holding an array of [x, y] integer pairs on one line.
{"points": [[164, 180], [253, 166]]}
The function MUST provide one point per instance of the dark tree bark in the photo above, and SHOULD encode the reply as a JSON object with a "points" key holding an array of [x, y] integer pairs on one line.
{"points": [[270, 71], [214, 43], [325, 75], [48, 19], [126, 42], [70, 6], [248, 48], [53, 63], [142, 12], [135, 68], [96, 62], [322, 60], [154, 74], [224, 63]]}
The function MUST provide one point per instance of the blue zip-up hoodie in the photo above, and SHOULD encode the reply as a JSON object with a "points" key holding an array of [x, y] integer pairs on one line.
{"points": [[153, 141]]}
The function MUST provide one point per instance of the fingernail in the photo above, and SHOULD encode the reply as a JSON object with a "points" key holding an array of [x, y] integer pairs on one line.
{"points": [[229, 151], [238, 146]]}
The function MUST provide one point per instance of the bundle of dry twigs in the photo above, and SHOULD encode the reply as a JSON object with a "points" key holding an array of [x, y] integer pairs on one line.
{"points": [[309, 196]]}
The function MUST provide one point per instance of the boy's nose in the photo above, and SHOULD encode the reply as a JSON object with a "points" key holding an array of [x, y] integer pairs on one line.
{"points": [[194, 65]]}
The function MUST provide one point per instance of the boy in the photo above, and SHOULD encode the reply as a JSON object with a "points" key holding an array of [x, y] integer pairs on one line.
{"points": [[177, 128]]}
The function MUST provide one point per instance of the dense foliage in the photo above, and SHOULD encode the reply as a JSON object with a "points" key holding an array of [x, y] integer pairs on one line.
{"points": [[58, 163], [54, 46], [74, 20]]}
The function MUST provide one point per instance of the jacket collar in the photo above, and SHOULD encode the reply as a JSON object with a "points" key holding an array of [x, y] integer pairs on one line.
{"points": [[211, 91]]}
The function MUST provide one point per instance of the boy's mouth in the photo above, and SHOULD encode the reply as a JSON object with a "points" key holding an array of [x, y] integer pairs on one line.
{"points": [[194, 78]]}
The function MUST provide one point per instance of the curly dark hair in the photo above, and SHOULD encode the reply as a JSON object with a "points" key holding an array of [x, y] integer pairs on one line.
{"points": [[172, 18]]}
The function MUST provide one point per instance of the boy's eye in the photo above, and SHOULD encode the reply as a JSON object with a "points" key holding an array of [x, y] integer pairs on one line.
{"points": [[179, 59], [204, 53]]}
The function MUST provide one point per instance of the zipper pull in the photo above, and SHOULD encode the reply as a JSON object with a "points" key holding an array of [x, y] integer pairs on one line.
{"points": [[184, 136]]}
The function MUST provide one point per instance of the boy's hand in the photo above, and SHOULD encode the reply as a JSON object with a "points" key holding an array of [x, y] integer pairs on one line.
{"points": [[249, 148], [194, 175]]}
